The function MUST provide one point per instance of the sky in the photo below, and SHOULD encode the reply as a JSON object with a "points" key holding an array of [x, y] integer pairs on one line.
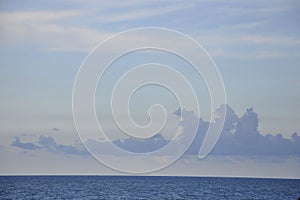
{"points": [[255, 46]]}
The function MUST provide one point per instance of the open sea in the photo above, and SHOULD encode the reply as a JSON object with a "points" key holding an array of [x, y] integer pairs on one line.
{"points": [[146, 187]]}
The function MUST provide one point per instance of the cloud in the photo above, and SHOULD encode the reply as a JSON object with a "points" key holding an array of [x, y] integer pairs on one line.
{"points": [[55, 129], [240, 137], [28, 134], [45, 30], [133, 145], [37, 16], [49, 144], [59, 30], [258, 46], [139, 14], [50, 34], [24, 145], [269, 39], [266, 54], [240, 9], [142, 146]]}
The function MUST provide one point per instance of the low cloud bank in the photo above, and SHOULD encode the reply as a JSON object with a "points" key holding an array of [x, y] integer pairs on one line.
{"points": [[240, 136]]}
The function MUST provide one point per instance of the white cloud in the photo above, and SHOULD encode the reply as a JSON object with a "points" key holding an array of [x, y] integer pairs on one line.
{"points": [[258, 54], [243, 10], [241, 39], [36, 16], [41, 29], [48, 30], [51, 30], [138, 14], [268, 39], [255, 46], [268, 54]]}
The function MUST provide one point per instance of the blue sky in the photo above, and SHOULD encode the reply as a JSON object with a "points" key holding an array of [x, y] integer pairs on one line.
{"points": [[255, 45]]}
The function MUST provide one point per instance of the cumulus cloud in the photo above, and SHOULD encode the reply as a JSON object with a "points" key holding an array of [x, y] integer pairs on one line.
{"points": [[48, 143], [240, 136]]}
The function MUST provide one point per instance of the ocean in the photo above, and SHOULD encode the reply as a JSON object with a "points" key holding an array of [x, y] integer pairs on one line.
{"points": [[146, 187]]}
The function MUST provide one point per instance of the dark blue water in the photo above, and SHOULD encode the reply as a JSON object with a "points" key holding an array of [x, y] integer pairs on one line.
{"points": [[124, 187]]}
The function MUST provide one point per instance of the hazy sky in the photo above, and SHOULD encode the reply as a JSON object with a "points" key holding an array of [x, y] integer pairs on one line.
{"points": [[255, 44]]}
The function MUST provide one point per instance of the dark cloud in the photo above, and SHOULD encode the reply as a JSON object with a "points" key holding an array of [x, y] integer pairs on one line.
{"points": [[24, 145], [48, 143], [55, 129]]}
